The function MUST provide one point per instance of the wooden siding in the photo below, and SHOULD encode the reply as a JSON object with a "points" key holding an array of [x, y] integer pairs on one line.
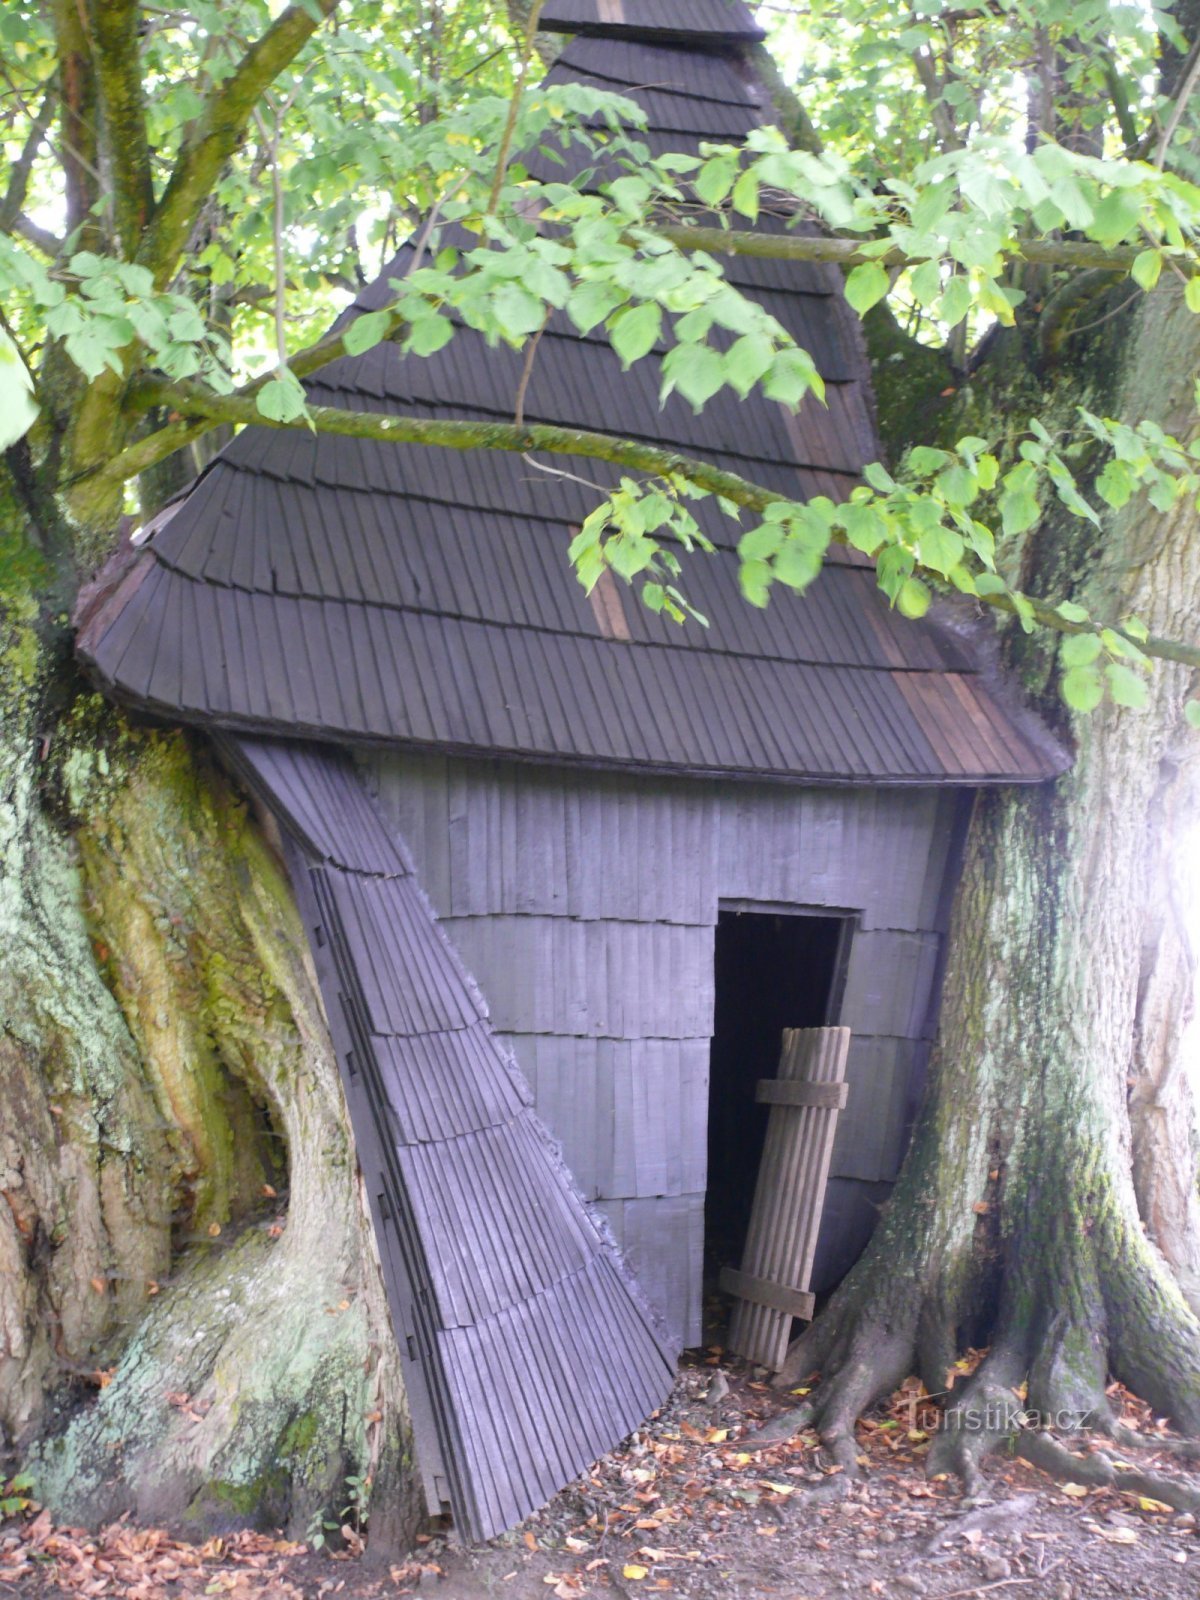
{"points": [[586, 905], [527, 1348]]}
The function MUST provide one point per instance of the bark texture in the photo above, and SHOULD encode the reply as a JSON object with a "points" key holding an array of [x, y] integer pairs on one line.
{"points": [[1050, 1188], [192, 1322]]}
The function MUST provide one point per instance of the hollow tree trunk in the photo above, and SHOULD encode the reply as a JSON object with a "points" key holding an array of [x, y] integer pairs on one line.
{"points": [[192, 1322], [1016, 1221]]}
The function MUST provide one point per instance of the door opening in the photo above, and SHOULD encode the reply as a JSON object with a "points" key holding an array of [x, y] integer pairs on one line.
{"points": [[775, 969]]}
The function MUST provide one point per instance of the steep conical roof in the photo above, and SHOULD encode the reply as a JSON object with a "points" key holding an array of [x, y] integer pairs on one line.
{"points": [[695, 22], [356, 591]]}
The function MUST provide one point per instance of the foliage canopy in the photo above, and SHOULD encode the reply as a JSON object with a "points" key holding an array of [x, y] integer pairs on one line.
{"points": [[188, 195]]}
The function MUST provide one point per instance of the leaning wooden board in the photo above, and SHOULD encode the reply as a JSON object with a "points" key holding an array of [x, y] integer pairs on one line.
{"points": [[772, 1286]]}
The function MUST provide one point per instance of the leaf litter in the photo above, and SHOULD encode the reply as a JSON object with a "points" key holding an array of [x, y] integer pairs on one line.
{"points": [[691, 1506]]}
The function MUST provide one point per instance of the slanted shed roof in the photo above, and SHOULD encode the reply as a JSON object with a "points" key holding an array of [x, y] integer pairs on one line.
{"points": [[347, 590], [527, 1350]]}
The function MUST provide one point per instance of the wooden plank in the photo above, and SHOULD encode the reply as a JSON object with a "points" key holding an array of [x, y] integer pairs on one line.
{"points": [[789, 1194], [791, 1302], [778, 1092]]}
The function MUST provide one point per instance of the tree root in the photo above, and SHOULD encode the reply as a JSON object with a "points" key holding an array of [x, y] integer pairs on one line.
{"points": [[1100, 1470]]}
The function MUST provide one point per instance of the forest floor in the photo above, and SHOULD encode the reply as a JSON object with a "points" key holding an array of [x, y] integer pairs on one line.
{"points": [[686, 1509]]}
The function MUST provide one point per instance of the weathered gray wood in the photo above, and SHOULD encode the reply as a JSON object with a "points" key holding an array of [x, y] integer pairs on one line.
{"points": [[779, 1092], [584, 904], [777, 1297], [788, 1197]]}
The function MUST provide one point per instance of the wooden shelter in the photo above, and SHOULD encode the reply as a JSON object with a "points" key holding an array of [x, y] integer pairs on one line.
{"points": [[652, 849]]}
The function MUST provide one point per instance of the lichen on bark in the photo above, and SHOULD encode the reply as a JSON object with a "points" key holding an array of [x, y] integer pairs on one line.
{"points": [[1016, 1221], [192, 1318]]}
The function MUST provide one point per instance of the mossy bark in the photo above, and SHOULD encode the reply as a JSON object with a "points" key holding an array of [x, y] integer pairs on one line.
{"points": [[192, 1322], [1017, 1222]]}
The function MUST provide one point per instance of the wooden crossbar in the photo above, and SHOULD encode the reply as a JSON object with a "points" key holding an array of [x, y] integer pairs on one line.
{"points": [[779, 1092], [771, 1287], [792, 1302]]}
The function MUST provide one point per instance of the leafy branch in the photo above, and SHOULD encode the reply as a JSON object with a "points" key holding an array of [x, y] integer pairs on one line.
{"points": [[920, 533]]}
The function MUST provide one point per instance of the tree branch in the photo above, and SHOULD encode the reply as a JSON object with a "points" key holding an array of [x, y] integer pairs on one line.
{"points": [[18, 181], [41, 238], [514, 105], [217, 133], [118, 66], [77, 89], [207, 410], [1188, 79], [1075, 254]]}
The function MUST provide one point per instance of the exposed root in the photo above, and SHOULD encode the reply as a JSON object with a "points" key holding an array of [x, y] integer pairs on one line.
{"points": [[1187, 1450], [1100, 1470], [983, 1418]]}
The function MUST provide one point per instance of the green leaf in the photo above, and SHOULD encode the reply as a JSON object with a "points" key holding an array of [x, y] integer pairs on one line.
{"points": [[745, 195], [629, 194], [913, 599], [634, 332], [282, 399], [428, 334], [956, 301], [1191, 713], [865, 527], [1115, 484], [1191, 293], [591, 301], [1126, 686], [1080, 649], [792, 375], [1082, 688], [879, 478], [18, 408], [715, 178], [1019, 508], [755, 579], [366, 331], [924, 459], [866, 285], [1147, 265], [696, 370], [940, 549], [746, 361]]}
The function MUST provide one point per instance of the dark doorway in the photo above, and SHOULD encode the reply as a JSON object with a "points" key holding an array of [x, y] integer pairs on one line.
{"points": [[774, 970]]}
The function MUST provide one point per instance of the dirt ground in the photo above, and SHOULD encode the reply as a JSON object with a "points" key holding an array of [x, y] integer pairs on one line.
{"points": [[686, 1509]]}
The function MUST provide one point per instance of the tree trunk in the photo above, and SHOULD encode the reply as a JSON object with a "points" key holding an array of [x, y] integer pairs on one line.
{"points": [[192, 1322], [1052, 1175]]}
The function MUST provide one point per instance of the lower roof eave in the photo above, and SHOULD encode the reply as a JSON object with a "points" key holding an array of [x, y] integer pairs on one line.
{"points": [[1057, 760]]}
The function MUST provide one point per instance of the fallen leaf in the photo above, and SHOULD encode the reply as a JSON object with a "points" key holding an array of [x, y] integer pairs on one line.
{"points": [[530, 1541], [1147, 1504], [633, 1572], [1120, 1535], [1077, 1491]]}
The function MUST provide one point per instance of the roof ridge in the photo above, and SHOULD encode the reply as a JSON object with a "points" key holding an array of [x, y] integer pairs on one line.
{"points": [[696, 24]]}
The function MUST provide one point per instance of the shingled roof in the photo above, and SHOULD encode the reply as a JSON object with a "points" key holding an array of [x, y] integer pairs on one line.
{"points": [[350, 590]]}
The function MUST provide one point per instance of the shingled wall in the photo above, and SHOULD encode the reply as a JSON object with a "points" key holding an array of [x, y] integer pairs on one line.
{"points": [[585, 905]]}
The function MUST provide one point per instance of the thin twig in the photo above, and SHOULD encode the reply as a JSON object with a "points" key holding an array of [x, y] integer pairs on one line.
{"points": [[1187, 85], [531, 350], [514, 107], [271, 140]]}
